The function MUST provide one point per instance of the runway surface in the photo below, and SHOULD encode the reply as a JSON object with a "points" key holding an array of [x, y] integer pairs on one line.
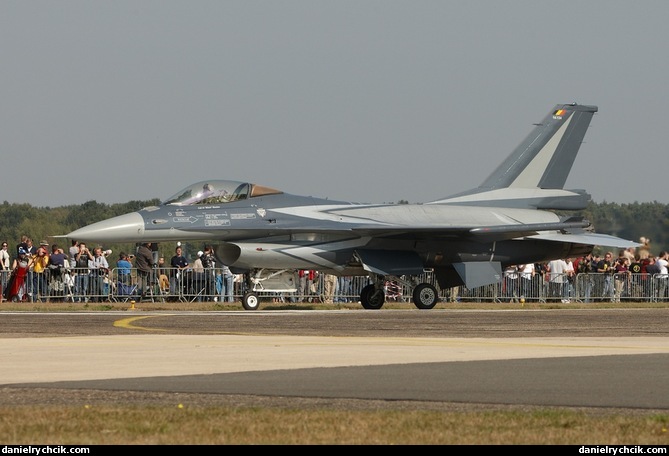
{"points": [[604, 358]]}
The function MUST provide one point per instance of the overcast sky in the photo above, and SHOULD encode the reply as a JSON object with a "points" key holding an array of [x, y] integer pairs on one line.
{"points": [[360, 100]]}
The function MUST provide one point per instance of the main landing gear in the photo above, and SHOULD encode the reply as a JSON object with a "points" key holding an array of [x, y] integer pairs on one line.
{"points": [[372, 296]]}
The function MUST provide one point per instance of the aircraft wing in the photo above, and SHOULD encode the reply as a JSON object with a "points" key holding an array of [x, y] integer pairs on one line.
{"points": [[479, 233]]}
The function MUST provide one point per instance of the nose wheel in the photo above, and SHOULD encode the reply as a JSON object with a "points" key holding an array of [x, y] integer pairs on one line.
{"points": [[250, 301]]}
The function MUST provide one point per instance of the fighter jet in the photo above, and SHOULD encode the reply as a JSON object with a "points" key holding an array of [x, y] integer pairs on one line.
{"points": [[464, 239]]}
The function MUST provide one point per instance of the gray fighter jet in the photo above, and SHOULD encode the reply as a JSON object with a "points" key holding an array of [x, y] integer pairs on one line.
{"points": [[464, 239]]}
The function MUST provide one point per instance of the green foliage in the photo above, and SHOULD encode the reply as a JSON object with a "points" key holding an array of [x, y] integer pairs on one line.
{"points": [[45, 222], [632, 221]]}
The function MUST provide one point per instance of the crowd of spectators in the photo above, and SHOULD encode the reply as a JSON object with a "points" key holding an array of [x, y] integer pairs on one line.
{"points": [[48, 272]]}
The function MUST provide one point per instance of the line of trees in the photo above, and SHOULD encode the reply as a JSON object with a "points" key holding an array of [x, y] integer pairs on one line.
{"points": [[629, 221]]}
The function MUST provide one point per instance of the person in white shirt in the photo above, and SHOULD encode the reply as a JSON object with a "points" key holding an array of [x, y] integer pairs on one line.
{"points": [[98, 267], [570, 273], [558, 279], [511, 283], [662, 277], [5, 268], [527, 273]]}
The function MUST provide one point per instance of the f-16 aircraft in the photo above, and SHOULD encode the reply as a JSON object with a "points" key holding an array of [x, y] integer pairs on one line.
{"points": [[464, 239]]}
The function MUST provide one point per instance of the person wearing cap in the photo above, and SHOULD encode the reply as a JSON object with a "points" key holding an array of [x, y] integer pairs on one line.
{"points": [[144, 264], [23, 259]]}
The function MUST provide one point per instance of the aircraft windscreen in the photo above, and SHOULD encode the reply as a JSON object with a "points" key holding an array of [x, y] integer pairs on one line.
{"points": [[211, 192]]}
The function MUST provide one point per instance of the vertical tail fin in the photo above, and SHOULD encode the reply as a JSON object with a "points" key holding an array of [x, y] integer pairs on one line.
{"points": [[533, 176]]}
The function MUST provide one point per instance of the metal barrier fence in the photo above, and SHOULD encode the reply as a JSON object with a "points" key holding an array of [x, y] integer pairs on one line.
{"points": [[168, 284]]}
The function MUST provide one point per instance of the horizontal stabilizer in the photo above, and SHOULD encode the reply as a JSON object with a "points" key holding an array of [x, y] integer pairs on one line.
{"points": [[527, 229], [604, 240]]}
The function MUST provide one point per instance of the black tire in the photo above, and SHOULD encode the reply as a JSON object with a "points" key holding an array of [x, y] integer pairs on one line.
{"points": [[371, 298], [425, 296], [250, 301]]}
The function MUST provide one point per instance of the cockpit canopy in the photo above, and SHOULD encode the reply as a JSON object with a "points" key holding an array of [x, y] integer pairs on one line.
{"points": [[218, 192]]}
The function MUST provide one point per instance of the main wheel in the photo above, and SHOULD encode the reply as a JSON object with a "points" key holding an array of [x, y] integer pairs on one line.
{"points": [[425, 296], [250, 301], [371, 298]]}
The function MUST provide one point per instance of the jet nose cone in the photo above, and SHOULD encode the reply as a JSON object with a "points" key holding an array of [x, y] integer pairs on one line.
{"points": [[124, 228]]}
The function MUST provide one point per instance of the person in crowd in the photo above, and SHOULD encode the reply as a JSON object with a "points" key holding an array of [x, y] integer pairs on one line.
{"points": [[527, 273], [558, 280], [5, 268], [313, 286], [40, 290], [570, 274], [344, 288], [124, 269], [302, 286], [144, 263], [21, 264], [511, 283], [155, 254], [30, 248], [73, 252], [56, 268], [196, 286], [584, 278], [636, 269], [227, 283], [329, 287], [628, 253], [662, 277], [179, 263], [82, 259], [541, 277], [99, 268], [621, 277], [32, 251], [207, 259], [605, 267], [22, 245]]}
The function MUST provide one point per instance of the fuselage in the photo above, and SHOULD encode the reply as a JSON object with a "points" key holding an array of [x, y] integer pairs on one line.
{"points": [[279, 230]]}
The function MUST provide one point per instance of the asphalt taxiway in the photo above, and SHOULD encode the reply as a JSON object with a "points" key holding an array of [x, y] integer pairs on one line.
{"points": [[607, 358]]}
